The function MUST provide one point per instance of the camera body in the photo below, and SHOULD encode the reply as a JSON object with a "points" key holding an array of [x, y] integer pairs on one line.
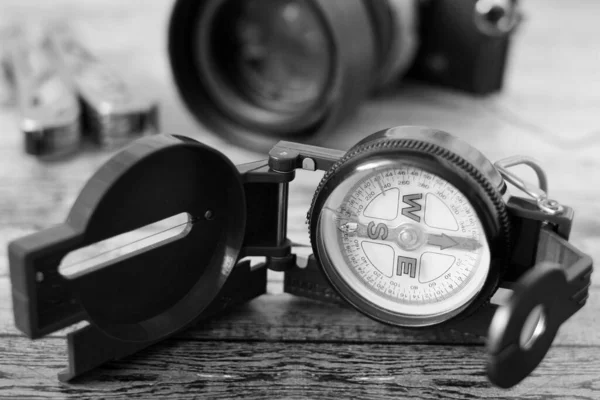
{"points": [[257, 71], [463, 44]]}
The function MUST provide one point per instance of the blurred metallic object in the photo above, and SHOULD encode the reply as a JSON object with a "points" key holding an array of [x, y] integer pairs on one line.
{"points": [[6, 83], [497, 17], [48, 105], [257, 71], [113, 113]]}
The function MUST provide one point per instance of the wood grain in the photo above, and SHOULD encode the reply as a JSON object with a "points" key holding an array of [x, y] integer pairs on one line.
{"points": [[293, 369], [280, 346]]}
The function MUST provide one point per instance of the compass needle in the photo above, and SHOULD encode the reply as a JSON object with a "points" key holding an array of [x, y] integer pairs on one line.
{"points": [[444, 241]]}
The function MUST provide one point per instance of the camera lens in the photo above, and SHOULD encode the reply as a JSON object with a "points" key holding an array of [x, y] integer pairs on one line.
{"points": [[265, 62], [279, 58], [256, 71]]}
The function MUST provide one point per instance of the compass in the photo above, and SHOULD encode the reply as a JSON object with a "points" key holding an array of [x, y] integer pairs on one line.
{"points": [[412, 227], [420, 250], [408, 232]]}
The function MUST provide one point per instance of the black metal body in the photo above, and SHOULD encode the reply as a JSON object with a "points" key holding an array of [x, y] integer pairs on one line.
{"points": [[183, 282], [455, 52]]}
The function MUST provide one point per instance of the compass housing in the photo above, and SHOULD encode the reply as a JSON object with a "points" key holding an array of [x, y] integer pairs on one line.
{"points": [[446, 157]]}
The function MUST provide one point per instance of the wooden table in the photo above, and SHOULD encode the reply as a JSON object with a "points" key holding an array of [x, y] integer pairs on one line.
{"points": [[281, 346]]}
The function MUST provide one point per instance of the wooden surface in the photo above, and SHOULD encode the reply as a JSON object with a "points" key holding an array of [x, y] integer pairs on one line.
{"points": [[280, 346]]}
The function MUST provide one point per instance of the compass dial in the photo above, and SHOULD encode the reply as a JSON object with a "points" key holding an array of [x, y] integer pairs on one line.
{"points": [[405, 240]]}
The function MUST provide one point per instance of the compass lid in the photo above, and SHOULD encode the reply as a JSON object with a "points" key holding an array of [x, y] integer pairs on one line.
{"points": [[155, 291]]}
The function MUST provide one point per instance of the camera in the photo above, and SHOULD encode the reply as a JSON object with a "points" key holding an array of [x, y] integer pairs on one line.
{"points": [[257, 71]]}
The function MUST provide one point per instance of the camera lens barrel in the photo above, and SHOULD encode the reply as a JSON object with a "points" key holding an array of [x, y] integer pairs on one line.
{"points": [[257, 71], [395, 23]]}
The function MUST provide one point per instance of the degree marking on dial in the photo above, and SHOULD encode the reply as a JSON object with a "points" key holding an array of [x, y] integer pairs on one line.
{"points": [[380, 186]]}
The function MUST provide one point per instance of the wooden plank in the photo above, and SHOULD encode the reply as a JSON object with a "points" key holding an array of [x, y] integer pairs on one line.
{"points": [[225, 369]]}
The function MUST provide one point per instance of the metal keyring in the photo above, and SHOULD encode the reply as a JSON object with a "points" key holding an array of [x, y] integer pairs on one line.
{"points": [[540, 192]]}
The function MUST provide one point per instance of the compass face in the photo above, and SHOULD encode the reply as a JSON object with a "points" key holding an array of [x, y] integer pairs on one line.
{"points": [[405, 240]]}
